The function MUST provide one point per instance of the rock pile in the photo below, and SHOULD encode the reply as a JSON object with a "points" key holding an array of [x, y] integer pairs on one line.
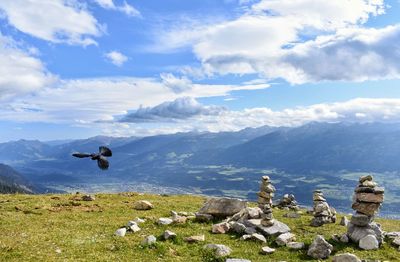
{"points": [[267, 192], [366, 202], [323, 213], [288, 201]]}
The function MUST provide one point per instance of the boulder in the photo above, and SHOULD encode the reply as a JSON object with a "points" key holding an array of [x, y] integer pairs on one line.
{"points": [[223, 207], [194, 239], [346, 257], [149, 240], [168, 234], [142, 205], [219, 250], [285, 238], [369, 242], [221, 228], [121, 232], [267, 250], [320, 249]]}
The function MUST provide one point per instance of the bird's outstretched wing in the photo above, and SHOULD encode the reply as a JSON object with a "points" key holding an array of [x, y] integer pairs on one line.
{"points": [[81, 155], [102, 162], [105, 151]]}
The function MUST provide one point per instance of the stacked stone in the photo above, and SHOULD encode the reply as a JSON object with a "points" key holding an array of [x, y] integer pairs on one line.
{"points": [[288, 201], [323, 213], [366, 202], [267, 191]]}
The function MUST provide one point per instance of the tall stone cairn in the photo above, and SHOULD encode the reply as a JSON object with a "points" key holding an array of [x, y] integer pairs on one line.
{"points": [[323, 213], [267, 192], [367, 200]]}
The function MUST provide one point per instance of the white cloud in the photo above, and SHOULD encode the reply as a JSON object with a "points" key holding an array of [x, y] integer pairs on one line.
{"points": [[116, 58], [57, 21], [176, 84], [20, 71], [180, 109], [124, 8]]}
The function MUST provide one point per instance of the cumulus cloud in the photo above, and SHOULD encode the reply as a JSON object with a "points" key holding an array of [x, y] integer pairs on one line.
{"points": [[176, 84], [20, 71], [116, 58], [179, 109], [57, 21], [124, 8]]}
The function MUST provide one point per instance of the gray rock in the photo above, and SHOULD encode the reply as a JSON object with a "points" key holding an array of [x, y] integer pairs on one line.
{"points": [[285, 238], [296, 245], [346, 257], [133, 226], [88, 198], [267, 250], [344, 238], [369, 242], [194, 239], [219, 250], [344, 221], [259, 238], [320, 249], [120, 232], [276, 229], [355, 233], [143, 205], [250, 230], [222, 207], [204, 217], [164, 221], [237, 260], [221, 228], [168, 234], [149, 240], [139, 220], [362, 220], [238, 228], [245, 237], [396, 241]]}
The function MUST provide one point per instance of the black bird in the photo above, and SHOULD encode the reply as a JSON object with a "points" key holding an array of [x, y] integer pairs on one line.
{"points": [[102, 161]]}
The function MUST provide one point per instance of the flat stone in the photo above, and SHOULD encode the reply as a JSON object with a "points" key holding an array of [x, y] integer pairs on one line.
{"points": [[276, 229], [149, 240], [164, 221], [194, 239], [245, 237], [369, 183], [222, 207], [250, 230], [219, 250], [295, 245], [120, 232], [359, 219], [143, 205], [346, 257], [365, 178], [369, 197], [368, 209], [320, 249], [379, 190], [133, 226], [258, 237], [368, 242], [139, 220], [361, 189], [285, 238], [221, 228], [267, 250], [168, 234]]}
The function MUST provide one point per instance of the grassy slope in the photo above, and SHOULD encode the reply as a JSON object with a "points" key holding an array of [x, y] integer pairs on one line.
{"points": [[32, 227]]}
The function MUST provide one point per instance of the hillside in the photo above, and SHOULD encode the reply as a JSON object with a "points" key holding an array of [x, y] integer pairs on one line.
{"points": [[56, 227], [12, 182]]}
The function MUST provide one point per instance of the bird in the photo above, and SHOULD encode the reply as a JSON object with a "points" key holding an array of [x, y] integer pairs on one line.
{"points": [[101, 157]]}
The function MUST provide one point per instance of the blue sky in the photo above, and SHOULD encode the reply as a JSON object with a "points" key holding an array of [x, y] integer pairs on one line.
{"points": [[74, 69]]}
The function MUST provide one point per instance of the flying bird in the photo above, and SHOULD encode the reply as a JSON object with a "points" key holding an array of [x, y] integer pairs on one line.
{"points": [[101, 157]]}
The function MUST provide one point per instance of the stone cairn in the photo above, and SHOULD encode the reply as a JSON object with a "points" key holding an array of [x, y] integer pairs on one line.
{"points": [[267, 191], [288, 201], [323, 213], [367, 200]]}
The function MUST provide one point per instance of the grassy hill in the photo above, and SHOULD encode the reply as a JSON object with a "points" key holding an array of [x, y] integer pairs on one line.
{"points": [[58, 228]]}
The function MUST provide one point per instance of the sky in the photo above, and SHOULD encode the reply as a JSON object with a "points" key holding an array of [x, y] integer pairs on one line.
{"points": [[74, 69]]}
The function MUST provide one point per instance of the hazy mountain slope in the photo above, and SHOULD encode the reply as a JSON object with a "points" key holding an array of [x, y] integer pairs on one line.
{"points": [[12, 182]]}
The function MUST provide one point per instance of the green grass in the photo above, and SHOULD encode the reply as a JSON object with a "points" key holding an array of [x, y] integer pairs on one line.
{"points": [[33, 227]]}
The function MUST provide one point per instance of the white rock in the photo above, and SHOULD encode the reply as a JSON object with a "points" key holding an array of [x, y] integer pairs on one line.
{"points": [[368, 242], [168, 234], [219, 250], [132, 226], [285, 238], [346, 257], [296, 245], [121, 232], [267, 250], [139, 220], [258, 237], [149, 240], [164, 221]]}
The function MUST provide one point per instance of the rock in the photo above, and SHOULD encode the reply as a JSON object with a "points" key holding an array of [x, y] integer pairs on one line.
{"points": [[276, 229], [320, 249], [285, 238], [133, 226], [253, 212], [258, 237], [194, 239], [238, 228], [370, 198], [344, 221], [344, 238], [362, 220], [120, 232], [368, 242], [245, 237], [346, 257], [139, 220], [222, 207], [149, 240], [142, 205], [219, 250], [355, 233], [396, 241], [267, 250], [296, 245], [221, 228], [250, 230], [362, 179], [168, 234], [237, 260], [180, 220], [204, 217], [368, 184], [88, 198], [164, 221], [368, 209]]}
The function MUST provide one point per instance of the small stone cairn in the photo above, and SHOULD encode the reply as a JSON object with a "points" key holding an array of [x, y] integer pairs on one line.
{"points": [[267, 192], [323, 213], [366, 202], [288, 202]]}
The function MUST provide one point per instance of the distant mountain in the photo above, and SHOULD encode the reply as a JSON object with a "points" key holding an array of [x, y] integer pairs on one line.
{"points": [[373, 147], [23, 150], [12, 182]]}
